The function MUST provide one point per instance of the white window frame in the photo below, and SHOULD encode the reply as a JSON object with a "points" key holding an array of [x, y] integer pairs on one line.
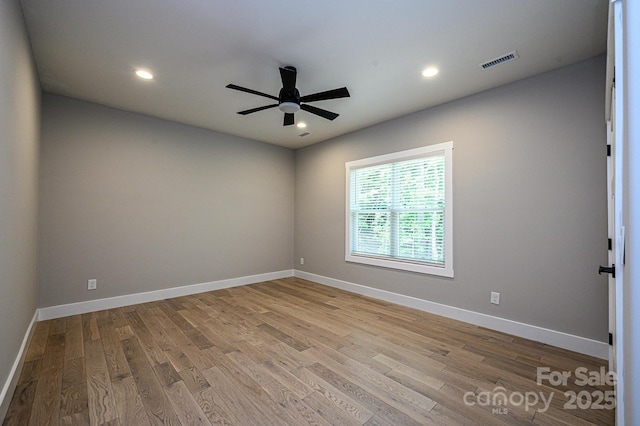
{"points": [[445, 270]]}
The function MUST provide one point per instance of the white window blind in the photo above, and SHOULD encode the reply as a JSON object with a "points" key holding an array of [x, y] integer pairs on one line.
{"points": [[399, 210]]}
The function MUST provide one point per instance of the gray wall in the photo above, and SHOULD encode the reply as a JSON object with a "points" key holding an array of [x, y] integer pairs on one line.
{"points": [[19, 120], [529, 201], [143, 204]]}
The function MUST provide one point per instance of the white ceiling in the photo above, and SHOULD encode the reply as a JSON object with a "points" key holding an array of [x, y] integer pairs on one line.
{"points": [[88, 49]]}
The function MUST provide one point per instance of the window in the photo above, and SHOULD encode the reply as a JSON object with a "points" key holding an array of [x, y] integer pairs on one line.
{"points": [[399, 210]]}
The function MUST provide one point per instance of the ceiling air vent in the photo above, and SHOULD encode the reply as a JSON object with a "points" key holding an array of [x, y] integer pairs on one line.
{"points": [[500, 60], [302, 135]]}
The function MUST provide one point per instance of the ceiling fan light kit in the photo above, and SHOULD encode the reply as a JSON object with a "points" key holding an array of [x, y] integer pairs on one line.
{"points": [[289, 107], [290, 101]]}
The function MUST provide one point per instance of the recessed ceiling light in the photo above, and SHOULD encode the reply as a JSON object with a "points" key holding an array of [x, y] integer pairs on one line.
{"points": [[301, 125], [430, 72], [144, 74]]}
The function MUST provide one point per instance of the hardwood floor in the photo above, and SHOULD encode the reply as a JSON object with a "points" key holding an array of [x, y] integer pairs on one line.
{"points": [[292, 352]]}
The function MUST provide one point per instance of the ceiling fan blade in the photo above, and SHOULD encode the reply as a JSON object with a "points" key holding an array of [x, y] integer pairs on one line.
{"points": [[319, 111], [288, 120], [249, 111], [329, 94], [288, 76], [253, 92]]}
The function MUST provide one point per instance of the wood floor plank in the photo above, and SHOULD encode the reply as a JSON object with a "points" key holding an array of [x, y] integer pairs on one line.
{"points": [[262, 400], [192, 333], [117, 317], [555, 417], [211, 332], [73, 345], [301, 313], [378, 421], [19, 409], [299, 412], [411, 403], [228, 367], [299, 293], [341, 400], [365, 356], [257, 372], [252, 352], [166, 374], [185, 406], [102, 406], [285, 338], [230, 330], [90, 326], [300, 339], [212, 407], [194, 380], [328, 410], [150, 346], [409, 371], [286, 357], [170, 349], [234, 398], [286, 352], [362, 395], [306, 332], [38, 341], [117, 365], [447, 354], [450, 399], [74, 397], [46, 405], [130, 409], [454, 418], [299, 388], [58, 326], [158, 407]]}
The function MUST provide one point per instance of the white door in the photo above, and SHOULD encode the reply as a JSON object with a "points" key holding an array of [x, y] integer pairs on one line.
{"points": [[616, 235], [615, 193], [610, 116], [611, 233]]}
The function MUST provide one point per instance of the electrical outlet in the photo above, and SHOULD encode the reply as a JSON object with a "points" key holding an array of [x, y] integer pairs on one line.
{"points": [[495, 298], [92, 284], [302, 260]]}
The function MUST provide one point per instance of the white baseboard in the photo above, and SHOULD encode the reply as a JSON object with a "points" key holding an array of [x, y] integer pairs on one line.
{"points": [[12, 380], [527, 331], [152, 296]]}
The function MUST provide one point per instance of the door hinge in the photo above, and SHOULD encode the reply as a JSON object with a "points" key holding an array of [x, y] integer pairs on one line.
{"points": [[608, 150], [610, 339], [608, 270]]}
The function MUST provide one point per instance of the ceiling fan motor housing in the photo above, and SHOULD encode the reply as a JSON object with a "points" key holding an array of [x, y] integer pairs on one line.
{"points": [[289, 102]]}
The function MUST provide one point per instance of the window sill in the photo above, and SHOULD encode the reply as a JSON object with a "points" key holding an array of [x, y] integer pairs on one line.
{"points": [[441, 271]]}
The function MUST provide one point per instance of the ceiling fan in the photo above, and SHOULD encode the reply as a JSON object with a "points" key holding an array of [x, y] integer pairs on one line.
{"points": [[290, 101]]}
